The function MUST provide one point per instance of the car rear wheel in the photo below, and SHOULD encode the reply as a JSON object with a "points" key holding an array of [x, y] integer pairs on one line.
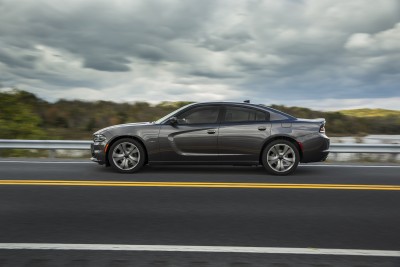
{"points": [[280, 157], [126, 155]]}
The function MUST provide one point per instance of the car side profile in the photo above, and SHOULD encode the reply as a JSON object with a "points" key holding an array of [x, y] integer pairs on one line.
{"points": [[226, 133]]}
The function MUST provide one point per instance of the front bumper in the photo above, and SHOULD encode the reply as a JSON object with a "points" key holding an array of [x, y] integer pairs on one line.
{"points": [[98, 152], [315, 148]]}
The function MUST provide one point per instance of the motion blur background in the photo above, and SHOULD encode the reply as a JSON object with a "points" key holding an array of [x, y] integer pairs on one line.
{"points": [[71, 67]]}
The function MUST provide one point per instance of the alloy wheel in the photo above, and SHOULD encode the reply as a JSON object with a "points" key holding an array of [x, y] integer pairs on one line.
{"points": [[281, 157], [126, 156]]}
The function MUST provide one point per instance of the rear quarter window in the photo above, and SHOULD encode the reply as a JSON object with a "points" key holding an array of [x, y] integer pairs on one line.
{"points": [[276, 116]]}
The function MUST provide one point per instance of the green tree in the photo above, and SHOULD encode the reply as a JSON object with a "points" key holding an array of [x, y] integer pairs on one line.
{"points": [[17, 119]]}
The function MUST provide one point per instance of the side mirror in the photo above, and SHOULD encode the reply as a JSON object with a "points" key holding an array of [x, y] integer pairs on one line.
{"points": [[173, 120]]}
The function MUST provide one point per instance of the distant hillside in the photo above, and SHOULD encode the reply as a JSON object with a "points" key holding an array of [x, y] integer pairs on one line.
{"points": [[367, 112], [352, 122], [25, 116]]}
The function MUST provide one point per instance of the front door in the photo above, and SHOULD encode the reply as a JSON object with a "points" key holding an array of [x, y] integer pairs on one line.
{"points": [[194, 138]]}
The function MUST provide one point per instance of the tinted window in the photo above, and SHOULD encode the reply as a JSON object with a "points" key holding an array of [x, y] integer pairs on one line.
{"points": [[277, 117], [199, 115], [240, 114]]}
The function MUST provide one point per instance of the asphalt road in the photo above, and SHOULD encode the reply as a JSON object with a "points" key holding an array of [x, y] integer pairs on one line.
{"points": [[250, 217]]}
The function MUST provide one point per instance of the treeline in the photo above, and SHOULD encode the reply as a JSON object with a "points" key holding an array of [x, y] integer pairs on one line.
{"points": [[25, 116], [349, 122]]}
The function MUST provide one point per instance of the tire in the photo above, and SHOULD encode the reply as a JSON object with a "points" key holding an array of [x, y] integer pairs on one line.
{"points": [[127, 155], [280, 157]]}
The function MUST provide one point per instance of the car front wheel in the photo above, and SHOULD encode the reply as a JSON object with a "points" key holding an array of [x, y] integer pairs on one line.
{"points": [[280, 157], [126, 155]]}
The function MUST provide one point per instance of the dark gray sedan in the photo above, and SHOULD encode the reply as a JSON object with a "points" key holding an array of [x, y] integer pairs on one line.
{"points": [[214, 133]]}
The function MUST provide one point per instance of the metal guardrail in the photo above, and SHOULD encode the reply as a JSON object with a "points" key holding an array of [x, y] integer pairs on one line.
{"points": [[85, 145], [364, 148], [45, 144]]}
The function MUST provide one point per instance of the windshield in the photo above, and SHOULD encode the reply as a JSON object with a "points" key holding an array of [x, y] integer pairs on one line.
{"points": [[171, 114]]}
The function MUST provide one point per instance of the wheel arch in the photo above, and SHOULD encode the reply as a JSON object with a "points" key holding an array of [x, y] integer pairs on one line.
{"points": [[281, 137], [115, 139]]}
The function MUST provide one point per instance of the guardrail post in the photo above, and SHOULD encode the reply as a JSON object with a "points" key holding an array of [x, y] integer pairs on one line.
{"points": [[393, 158], [52, 153]]}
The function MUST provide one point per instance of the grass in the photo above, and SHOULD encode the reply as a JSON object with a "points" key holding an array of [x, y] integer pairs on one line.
{"points": [[367, 112]]}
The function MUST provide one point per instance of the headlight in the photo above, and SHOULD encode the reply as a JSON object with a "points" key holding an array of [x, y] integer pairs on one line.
{"points": [[99, 138]]}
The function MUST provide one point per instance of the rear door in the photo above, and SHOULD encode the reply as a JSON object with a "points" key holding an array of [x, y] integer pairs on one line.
{"points": [[242, 133], [194, 138]]}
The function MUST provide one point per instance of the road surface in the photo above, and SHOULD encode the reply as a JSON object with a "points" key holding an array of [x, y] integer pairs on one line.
{"points": [[347, 207]]}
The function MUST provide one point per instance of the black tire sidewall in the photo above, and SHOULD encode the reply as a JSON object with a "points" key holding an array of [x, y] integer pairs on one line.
{"points": [[273, 143], [139, 147]]}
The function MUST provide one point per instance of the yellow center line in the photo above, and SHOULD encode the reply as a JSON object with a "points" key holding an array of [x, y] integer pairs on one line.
{"points": [[201, 184]]}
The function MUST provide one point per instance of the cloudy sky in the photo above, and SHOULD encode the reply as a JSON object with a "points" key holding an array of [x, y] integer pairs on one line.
{"points": [[321, 54]]}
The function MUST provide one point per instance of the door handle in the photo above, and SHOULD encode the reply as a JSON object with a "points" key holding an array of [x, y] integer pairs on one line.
{"points": [[211, 131], [262, 128]]}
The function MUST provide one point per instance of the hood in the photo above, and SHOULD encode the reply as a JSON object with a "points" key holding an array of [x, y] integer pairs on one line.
{"points": [[122, 125]]}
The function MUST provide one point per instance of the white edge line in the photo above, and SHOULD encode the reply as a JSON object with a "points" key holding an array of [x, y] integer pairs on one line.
{"points": [[47, 162], [207, 249]]}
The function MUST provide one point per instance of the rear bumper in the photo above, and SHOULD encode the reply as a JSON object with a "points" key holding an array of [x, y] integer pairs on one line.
{"points": [[315, 148], [98, 154]]}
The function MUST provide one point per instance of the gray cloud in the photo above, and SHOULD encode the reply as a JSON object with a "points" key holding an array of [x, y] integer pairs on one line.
{"points": [[104, 63], [15, 60], [273, 51]]}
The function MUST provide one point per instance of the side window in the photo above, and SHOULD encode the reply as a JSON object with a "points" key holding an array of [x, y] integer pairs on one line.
{"points": [[240, 114], [199, 115], [277, 116]]}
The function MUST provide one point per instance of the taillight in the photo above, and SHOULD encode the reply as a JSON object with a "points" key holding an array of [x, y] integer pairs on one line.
{"points": [[322, 128], [301, 146]]}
